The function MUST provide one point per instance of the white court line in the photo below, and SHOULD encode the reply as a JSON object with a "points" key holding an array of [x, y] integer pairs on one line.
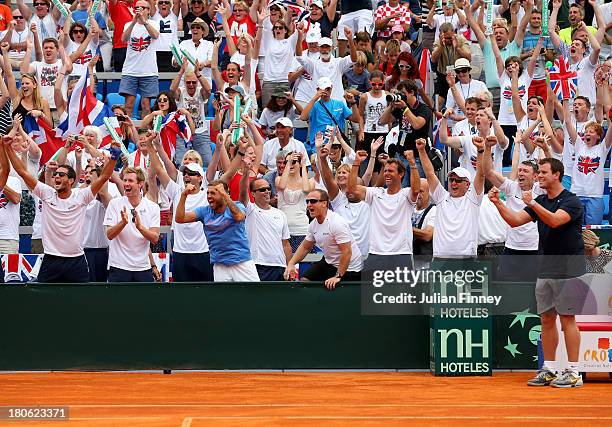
{"points": [[187, 422], [407, 417], [357, 405]]}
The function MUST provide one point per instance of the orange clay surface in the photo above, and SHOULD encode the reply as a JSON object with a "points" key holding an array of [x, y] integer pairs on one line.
{"points": [[305, 399]]}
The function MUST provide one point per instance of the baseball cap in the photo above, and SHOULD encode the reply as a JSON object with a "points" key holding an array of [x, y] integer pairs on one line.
{"points": [[462, 63], [235, 88], [193, 167], [285, 121], [317, 3], [397, 29], [461, 173], [324, 83], [313, 37], [326, 41]]}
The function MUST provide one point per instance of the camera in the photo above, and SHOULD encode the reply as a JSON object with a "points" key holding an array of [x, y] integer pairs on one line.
{"points": [[395, 97], [121, 118]]}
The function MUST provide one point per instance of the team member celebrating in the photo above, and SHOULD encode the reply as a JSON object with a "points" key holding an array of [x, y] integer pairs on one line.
{"points": [[62, 223], [225, 231], [330, 232], [132, 222]]}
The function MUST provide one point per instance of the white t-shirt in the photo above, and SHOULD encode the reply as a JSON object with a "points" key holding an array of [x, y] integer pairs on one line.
{"points": [[94, 231], [46, 75], [202, 53], [19, 37], [37, 224], [358, 217], [390, 226], [464, 128], [266, 230], [279, 55], [239, 59], [464, 91], [47, 27], [522, 126], [586, 78], [334, 231], [62, 221], [588, 178], [129, 250], [272, 147], [168, 30], [188, 237], [491, 226], [438, 20], [334, 70], [525, 237], [141, 58], [9, 212], [197, 106], [456, 225], [79, 66], [569, 152], [506, 111], [304, 87], [470, 153], [268, 117], [139, 160]]}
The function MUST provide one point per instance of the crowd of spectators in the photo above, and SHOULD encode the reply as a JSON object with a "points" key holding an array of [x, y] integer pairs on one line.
{"points": [[355, 108]]}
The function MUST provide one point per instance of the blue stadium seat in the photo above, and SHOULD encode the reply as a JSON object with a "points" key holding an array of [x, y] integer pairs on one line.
{"points": [[114, 98], [99, 97]]}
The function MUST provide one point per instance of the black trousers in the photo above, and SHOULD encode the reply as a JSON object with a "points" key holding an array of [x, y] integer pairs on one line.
{"points": [[58, 269]]}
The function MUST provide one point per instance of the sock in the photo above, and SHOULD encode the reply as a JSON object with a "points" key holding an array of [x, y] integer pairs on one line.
{"points": [[573, 366], [551, 365]]}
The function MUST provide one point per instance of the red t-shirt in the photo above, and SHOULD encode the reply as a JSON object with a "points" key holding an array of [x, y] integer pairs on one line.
{"points": [[121, 14], [238, 28], [234, 186], [5, 17]]}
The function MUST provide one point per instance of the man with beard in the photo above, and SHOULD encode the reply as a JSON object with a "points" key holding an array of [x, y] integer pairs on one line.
{"points": [[62, 223], [224, 226]]}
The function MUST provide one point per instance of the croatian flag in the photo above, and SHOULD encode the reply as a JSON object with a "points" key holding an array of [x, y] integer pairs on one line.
{"points": [[174, 124], [84, 109], [563, 81], [43, 135]]}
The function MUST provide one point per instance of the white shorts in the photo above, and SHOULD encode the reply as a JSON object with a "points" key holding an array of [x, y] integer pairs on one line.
{"points": [[242, 272], [360, 20]]}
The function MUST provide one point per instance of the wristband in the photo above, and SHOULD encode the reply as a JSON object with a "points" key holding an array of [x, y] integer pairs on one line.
{"points": [[480, 151], [115, 153]]}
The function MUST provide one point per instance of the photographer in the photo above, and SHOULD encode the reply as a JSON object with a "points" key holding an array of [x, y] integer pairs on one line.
{"points": [[414, 118]]}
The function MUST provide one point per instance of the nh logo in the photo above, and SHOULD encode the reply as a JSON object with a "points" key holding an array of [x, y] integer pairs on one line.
{"points": [[446, 333]]}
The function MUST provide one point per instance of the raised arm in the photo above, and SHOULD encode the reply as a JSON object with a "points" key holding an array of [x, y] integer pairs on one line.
{"points": [[358, 191], [552, 24], [18, 165], [107, 171], [214, 66], [428, 168], [513, 218], [480, 36], [451, 141]]}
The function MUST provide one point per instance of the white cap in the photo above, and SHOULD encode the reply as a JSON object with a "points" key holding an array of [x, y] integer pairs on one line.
{"points": [[193, 167], [324, 83], [461, 173], [326, 41], [313, 37], [317, 3], [462, 63], [285, 121]]}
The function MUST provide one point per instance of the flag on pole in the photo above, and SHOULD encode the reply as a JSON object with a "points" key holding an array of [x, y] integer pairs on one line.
{"points": [[174, 124], [425, 71]]}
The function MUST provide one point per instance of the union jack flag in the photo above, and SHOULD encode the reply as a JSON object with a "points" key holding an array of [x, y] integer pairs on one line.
{"points": [[140, 44], [507, 93], [19, 267], [563, 81], [588, 165], [3, 201], [85, 58], [174, 124]]}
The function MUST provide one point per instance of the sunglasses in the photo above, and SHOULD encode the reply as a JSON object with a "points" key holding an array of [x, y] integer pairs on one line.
{"points": [[78, 31], [457, 180], [191, 83], [17, 17], [162, 100], [163, 2], [141, 7], [279, 27], [463, 70], [40, 4], [197, 2], [262, 190], [190, 173], [312, 201], [404, 67], [60, 174], [133, 211]]}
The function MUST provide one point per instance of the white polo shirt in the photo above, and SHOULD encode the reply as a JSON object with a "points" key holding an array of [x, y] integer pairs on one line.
{"points": [[266, 230], [188, 238]]}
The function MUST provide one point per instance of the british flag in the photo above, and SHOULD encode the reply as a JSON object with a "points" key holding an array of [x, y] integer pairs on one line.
{"points": [[507, 93], [84, 58], [174, 124], [587, 164], [3, 201], [563, 81], [19, 267], [140, 44]]}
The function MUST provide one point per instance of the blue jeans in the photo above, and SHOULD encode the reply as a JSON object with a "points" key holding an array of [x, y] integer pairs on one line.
{"points": [[200, 142], [593, 210]]}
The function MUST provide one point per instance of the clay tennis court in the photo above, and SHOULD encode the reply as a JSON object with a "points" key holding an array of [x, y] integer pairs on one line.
{"points": [[298, 398]]}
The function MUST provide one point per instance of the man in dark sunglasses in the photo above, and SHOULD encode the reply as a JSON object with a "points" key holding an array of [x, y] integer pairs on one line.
{"points": [[267, 229], [329, 231], [46, 22], [62, 223]]}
